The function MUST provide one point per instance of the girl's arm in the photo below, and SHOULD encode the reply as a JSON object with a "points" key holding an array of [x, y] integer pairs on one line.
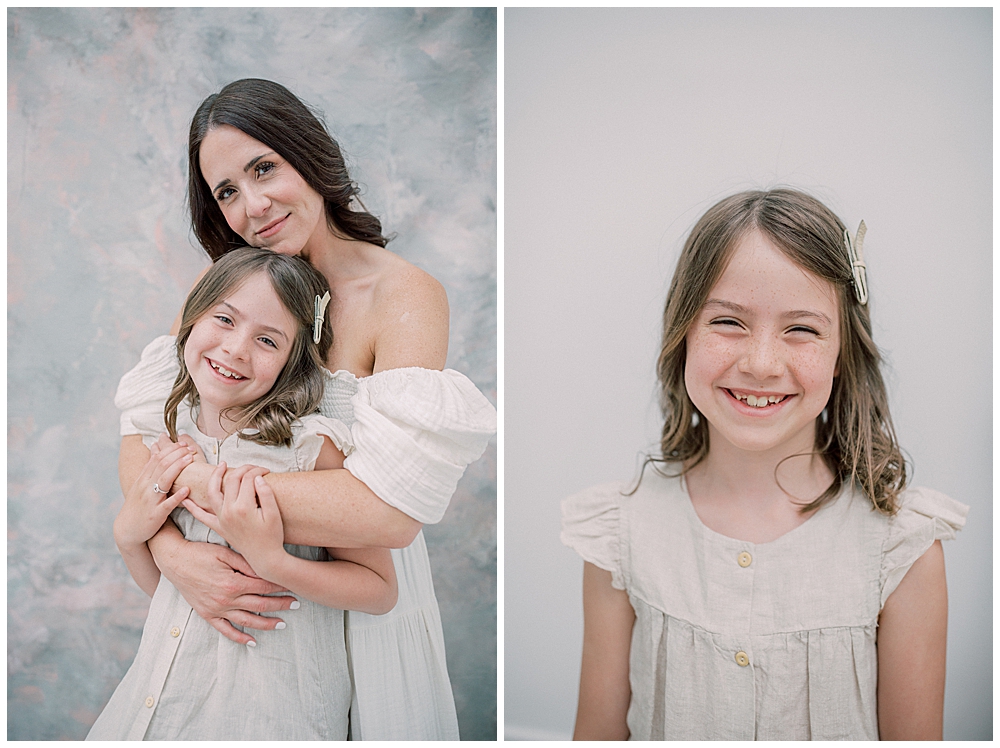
{"points": [[358, 579], [912, 634], [605, 692], [216, 581], [324, 508], [147, 506]]}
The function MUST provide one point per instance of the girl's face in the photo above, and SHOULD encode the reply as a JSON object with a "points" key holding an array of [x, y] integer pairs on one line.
{"points": [[762, 353], [264, 199], [237, 349]]}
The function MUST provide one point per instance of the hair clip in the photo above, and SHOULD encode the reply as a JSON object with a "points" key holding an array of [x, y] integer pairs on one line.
{"points": [[319, 310], [857, 258]]}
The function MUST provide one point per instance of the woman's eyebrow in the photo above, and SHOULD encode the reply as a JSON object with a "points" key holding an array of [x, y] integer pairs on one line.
{"points": [[266, 328], [248, 167]]}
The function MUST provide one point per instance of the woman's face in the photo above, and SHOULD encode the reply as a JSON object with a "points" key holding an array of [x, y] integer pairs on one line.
{"points": [[264, 199], [762, 353]]}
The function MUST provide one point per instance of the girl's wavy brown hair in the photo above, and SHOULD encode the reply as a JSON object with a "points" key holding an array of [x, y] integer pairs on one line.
{"points": [[270, 113], [856, 440], [299, 387]]}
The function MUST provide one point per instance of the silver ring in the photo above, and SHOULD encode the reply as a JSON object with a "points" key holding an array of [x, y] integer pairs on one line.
{"points": [[156, 489]]}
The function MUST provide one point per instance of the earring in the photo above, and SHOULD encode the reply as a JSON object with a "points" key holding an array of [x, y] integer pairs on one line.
{"points": [[695, 420], [824, 416]]}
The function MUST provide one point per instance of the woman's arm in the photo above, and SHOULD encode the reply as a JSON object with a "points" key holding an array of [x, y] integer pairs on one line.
{"points": [[358, 579], [605, 692], [912, 636]]}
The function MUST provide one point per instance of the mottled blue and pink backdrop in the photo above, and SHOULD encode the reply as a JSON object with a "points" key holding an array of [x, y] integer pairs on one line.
{"points": [[100, 256]]}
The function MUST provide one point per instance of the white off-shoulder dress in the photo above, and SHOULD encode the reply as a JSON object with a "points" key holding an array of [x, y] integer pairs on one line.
{"points": [[413, 432], [753, 641], [188, 682]]}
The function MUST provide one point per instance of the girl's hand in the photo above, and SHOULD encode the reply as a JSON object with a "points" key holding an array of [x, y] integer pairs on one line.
{"points": [[163, 442], [147, 503], [247, 514]]}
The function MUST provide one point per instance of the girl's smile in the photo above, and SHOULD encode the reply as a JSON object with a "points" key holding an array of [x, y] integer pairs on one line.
{"points": [[762, 354], [263, 198], [237, 350]]}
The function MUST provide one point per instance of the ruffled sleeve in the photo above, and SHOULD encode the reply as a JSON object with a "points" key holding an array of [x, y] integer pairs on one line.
{"points": [[143, 391], [924, 516], [591, 527], [308, 439], [414, 433]]}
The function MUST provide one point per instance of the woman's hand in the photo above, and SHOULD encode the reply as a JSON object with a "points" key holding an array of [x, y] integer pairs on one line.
{"points": [[147, 503]]}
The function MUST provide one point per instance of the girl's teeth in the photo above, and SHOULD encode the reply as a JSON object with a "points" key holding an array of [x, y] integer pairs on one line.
{"points": [[226, 372], [759, 402]]}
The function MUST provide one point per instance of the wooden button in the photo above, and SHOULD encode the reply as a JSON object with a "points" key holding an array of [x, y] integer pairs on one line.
{"points": [[741, 659], [175, 632], [744, 559], [149, 701]]}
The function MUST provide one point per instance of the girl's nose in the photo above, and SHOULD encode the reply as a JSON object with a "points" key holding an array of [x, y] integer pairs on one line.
{"points": [[761, 358], [236, 344]]}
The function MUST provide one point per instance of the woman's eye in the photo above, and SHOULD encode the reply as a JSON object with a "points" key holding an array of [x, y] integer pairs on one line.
{"points": [[263, 168], [224, 194]]}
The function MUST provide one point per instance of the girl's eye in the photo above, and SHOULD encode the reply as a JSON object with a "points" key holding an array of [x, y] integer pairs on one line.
{"points": [[725, 321], [803, 328], [268, 341], [223, 319], [263, 168]]}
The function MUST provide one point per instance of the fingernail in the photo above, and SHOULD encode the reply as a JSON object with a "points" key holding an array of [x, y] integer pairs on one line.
{"points": [[295, 605], [251, 643], [279, 625]]}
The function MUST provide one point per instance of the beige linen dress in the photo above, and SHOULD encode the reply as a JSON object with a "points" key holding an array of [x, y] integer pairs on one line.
{"points": [[188, 682], [743, 641], [413, 432]]}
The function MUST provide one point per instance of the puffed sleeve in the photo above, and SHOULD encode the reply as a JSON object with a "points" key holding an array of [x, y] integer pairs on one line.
{"points": [[414, 433], [308, 434], [924, 516], [591, 527], [143, 391]]}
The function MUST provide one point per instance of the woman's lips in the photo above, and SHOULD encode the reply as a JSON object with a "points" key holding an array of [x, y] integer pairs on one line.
{"points": [[272, 228]]}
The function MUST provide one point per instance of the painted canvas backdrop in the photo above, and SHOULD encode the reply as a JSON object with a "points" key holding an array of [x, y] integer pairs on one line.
{"points": [[621, 128], [100, 258]]}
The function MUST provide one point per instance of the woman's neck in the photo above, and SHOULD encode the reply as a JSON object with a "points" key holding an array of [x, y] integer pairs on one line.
{"points": [[340, 260]]}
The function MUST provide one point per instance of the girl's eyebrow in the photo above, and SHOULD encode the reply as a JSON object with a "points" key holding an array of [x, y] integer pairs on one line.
{"points": [[266, 328], [248, 167], [794, 314]]}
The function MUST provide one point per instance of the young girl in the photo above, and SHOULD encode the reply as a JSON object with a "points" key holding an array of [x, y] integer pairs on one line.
{"points": [[740, 591], [253, 336]]}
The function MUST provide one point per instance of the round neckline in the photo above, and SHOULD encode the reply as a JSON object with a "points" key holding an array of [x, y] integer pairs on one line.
{"points": [[706, 530]]}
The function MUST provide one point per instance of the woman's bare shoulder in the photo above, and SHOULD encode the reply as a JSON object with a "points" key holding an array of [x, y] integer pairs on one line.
{"points": [[412, 317]]}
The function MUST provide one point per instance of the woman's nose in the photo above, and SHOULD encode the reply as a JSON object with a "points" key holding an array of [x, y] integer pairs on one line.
{"points": [[761, 358], [257, 203]]}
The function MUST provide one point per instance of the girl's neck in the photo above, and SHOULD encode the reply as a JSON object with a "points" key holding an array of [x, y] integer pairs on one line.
{"points": [[211, 422], [756, 496]]}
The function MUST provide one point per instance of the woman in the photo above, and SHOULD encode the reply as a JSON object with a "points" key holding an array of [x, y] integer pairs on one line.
{"points": [[263, 171]]}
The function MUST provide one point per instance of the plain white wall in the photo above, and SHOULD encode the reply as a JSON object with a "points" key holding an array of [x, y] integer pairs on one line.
{"points": [[622, 127]]}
